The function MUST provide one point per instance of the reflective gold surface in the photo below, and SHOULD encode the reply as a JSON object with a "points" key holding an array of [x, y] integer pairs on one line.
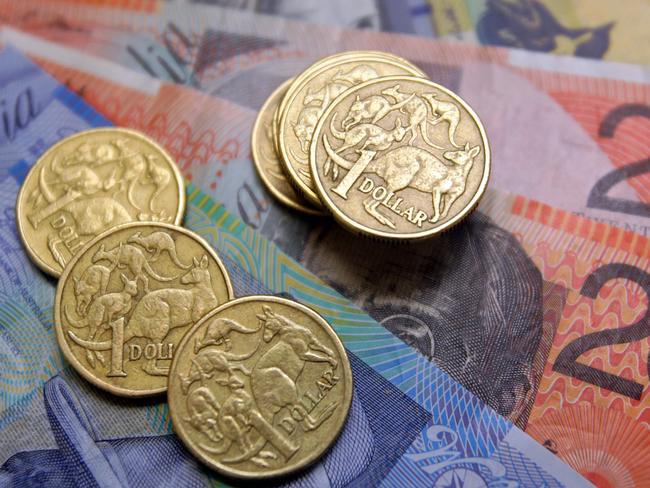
{"points": [[400, 158], [260, 387], [90, 182], [266, 158], [308, 100], [127, 298]]}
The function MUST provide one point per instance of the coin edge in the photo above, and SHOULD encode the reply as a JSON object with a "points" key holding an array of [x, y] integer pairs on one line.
{"points": [[63, 345], [354, 226], [40, 262], [258, 165], [310, 193], [333, 58], [347, 398]]}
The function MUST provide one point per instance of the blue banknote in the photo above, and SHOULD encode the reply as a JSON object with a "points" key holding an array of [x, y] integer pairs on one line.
{"points": [[410, 423]]}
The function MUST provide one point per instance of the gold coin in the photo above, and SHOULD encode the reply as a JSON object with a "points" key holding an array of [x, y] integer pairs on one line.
{"points": [[90, 182], [127, 298], [332, 59], [266, 159], [276, 122], [310, 100], [338, 58], [400, 158], [260, 387]]}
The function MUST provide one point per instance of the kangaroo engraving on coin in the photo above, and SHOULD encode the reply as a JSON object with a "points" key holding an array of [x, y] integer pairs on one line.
{"points": [[338, 58], [126, 299], [267, 161], [400, 157], [260, 387], [90, 182], [308, 102]]}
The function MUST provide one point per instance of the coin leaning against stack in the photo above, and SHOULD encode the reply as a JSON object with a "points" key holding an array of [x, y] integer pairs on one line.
{"points": [[366, 137], [257, 386]]}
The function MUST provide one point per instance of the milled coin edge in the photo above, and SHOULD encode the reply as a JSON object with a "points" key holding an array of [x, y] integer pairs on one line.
{"points": [[38, 260], [189, 444], [359, 228], [257, 158], [60, 336]]}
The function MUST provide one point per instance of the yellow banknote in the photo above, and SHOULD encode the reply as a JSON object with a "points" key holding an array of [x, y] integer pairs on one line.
{"points": [[603, 29]]}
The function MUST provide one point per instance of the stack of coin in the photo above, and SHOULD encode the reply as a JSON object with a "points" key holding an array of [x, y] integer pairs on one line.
{"points": [[366, 137], [257, 386]]}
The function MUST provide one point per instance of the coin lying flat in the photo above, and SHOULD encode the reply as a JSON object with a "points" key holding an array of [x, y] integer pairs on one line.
{"points": [[266, 159], [92, 181], [400, 158], [260, 387], [308, 102], [127, 298]]}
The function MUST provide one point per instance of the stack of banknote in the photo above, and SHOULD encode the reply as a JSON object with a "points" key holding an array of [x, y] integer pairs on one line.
{"points": [[511, 350]]}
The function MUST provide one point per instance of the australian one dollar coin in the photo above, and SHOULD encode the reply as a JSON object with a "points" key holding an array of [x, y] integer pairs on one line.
{"points": [[127, 298], [260, 387], [309, 98], [266, 158], [400, 158], [90, 182]]}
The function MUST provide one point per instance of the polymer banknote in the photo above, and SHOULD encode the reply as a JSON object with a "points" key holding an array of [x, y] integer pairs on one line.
{"points": [[362, 14], [410, 423], [486, 302], [590, 29]]}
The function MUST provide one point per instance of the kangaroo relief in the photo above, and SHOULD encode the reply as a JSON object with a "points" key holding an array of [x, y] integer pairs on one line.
{"points": [[90, 182], [315, 91], [261, 385], [400, 157], [124, 304]]}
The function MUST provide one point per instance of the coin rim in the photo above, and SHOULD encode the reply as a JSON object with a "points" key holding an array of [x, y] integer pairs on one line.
{"points": [[321, 63], [63, 344], [355, 226], [310, 193], [257, 158], [333, 59], [315, 455], [39, 261]]}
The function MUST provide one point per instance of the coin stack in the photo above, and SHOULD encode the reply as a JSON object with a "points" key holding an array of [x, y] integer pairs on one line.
{"points": [[257, 386], [366, 137]]}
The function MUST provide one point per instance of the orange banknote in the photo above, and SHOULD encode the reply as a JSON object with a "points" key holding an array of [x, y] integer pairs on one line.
{"points": [[591, 403], [567, 132]]}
